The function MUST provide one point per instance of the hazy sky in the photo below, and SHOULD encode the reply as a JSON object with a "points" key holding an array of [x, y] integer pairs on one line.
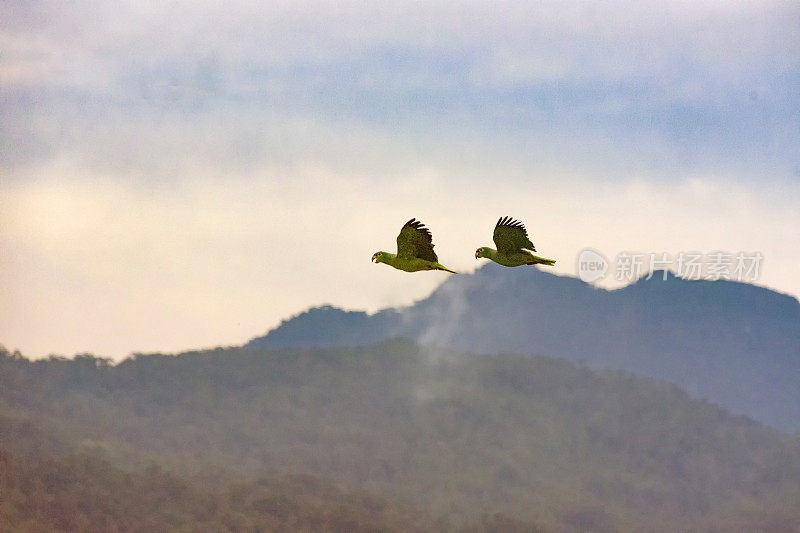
{"points": [[186, 174]]}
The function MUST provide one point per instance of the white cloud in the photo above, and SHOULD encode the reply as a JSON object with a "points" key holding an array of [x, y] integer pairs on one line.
{"points": [[607, 40], [179, 174]]}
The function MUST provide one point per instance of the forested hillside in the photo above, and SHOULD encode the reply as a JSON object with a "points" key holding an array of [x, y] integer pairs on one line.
{"points": [[83, 493], [50, 483], [457, 436]]}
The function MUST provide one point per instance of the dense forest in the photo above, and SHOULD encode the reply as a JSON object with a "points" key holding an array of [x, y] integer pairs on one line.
{"points": [[82, 493], [46, 485], [391, 434]]}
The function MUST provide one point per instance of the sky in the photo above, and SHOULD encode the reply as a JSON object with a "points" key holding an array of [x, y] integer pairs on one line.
{"points": [[176, 175]]}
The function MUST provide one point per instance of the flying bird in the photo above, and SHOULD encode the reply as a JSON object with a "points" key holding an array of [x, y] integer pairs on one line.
{"points": [[513, 246], [414, 250]]}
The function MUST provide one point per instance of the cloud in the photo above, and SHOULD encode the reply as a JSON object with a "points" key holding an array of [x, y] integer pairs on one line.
{"points": [[177, 174], [679, 84], [609, 41]]}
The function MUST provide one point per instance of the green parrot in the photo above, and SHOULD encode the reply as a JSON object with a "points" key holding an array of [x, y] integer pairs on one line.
{"points": [[414, 250], [513, 246]]}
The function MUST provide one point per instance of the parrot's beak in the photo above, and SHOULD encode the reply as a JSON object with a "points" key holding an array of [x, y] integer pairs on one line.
{"points": [[477, 256], [374, 258]]}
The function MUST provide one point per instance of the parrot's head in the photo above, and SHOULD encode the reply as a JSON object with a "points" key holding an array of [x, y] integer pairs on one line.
{"points": [[480, 252], [377, 257]]}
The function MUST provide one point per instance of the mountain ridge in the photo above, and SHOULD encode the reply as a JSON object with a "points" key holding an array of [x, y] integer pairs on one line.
{"points": [[733, 343]]}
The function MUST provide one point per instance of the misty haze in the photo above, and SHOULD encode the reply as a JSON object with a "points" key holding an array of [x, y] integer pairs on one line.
{"points": [[581, 310]]}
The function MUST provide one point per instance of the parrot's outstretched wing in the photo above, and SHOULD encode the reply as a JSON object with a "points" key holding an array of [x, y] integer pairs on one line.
{"points": [[415, 240], [510, 236]]}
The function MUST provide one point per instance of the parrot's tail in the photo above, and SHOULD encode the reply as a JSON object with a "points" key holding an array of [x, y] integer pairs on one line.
{"points": [[439, 266], [543, 261]]}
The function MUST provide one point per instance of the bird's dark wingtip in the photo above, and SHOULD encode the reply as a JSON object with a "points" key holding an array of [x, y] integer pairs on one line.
{"points": [[511, 222]]}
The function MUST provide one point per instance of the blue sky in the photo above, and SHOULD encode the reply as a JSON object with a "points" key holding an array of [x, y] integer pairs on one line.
{"points": [[186, 174]]}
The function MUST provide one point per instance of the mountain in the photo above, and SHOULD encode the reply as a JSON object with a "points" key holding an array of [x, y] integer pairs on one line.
{"points": [[460, 437], [733, 343]]}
